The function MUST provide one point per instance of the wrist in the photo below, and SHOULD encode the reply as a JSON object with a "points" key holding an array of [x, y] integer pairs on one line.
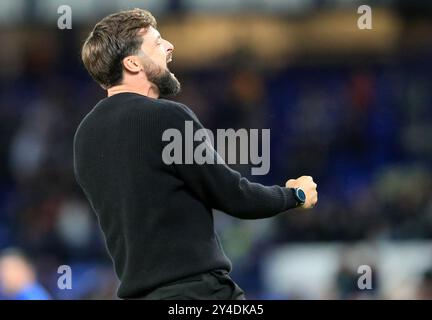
{"points": [[299, 196]]}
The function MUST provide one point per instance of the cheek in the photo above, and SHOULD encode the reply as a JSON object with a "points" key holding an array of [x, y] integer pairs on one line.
{"points": [[162, 59], [158, 57]]}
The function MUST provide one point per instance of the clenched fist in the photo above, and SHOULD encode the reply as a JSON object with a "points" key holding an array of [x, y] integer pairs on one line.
{"points": [[308, 186]]}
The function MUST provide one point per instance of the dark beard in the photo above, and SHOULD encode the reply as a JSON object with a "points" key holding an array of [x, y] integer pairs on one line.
{"points": [[167, 84]]}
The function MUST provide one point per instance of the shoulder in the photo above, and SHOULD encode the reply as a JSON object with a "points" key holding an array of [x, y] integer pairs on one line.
{"points": [[174, 110], [173, 106], [142, 104], [135, 107]]}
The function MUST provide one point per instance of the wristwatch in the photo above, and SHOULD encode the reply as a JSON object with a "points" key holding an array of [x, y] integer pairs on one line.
{"points": [[299, 196]]}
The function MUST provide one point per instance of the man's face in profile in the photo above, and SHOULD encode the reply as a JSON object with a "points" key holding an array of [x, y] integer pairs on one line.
{"points": [[155, 55]]}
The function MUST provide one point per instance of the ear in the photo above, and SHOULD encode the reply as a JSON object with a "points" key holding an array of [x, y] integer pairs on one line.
{"points": [[132, 64]]}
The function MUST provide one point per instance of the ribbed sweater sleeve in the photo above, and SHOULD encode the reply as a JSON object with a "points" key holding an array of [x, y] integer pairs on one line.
{"points": [[222, 188]]}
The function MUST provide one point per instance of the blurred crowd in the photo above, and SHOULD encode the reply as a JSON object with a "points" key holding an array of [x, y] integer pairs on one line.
{"points": [[362, 129]]}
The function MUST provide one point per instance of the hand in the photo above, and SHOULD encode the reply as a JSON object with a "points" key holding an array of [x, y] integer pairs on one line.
{"points": [[309, 187]]}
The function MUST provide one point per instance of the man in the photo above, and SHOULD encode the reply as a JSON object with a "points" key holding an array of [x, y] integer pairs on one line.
{"points": [[18, 279], [157, 218]]}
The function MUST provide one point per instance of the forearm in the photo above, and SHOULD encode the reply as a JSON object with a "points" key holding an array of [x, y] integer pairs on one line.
{"points": [[222, 188]]}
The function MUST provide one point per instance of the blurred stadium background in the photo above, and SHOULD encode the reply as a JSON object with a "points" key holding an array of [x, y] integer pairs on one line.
{"points": [[352, 108]]}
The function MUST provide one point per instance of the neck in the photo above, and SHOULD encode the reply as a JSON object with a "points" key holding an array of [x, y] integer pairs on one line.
{"points": [[148, 90]]}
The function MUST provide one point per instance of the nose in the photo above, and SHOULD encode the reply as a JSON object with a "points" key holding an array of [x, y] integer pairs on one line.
{"points": [[169, 46]]}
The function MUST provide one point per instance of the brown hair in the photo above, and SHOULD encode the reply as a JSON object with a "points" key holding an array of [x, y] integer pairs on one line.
{"points": [[112, 39]]}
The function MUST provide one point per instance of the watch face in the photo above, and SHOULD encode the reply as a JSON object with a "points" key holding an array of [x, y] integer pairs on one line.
{"points": [[301, 195]]}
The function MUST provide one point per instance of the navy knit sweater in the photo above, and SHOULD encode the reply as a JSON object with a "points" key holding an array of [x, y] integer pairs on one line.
{"points": [[157, 218]]}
